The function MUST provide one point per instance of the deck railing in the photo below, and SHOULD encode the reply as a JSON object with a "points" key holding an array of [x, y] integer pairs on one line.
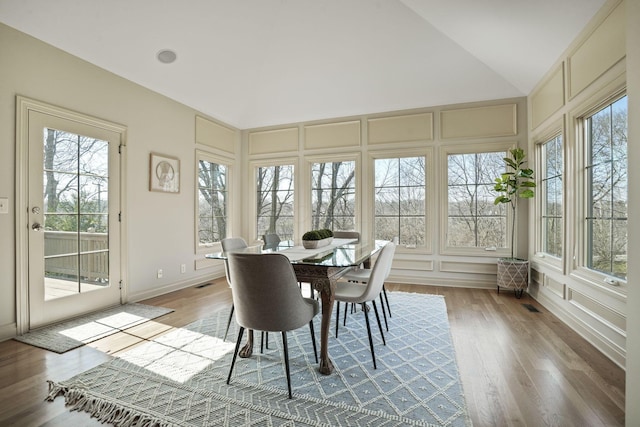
{"points": [[72, 255]]}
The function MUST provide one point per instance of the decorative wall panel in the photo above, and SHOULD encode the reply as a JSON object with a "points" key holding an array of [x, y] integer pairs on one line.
{"points": [[414, 127], [333, 135], [214, 135], [599, 52], [479, 122], [548, 99], [273, 141]]}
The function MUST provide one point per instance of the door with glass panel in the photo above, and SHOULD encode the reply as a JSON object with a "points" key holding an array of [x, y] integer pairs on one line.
{"points": [[74, 227]]}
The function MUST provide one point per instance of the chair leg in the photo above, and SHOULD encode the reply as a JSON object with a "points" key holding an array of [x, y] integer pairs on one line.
{"points": [[313, 340], [264, 341], [286, 360], [366, 317], [229, 322], [384, 291], [344, 318], [338, 316], [235, 353], [375, 309], [384, 313]]}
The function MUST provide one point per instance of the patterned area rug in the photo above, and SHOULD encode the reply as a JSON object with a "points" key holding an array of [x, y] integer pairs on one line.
{"points": [[77, 332], [179, 379]]}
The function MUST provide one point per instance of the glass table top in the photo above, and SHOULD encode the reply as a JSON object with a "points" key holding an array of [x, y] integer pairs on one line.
{"points": [[340, 253]]}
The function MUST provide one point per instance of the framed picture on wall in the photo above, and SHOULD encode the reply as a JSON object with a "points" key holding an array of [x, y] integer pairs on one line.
{"points": [[164, 173]]}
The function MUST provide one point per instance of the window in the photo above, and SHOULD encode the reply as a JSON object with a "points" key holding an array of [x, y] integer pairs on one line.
{"points": [[275, 207], [606, 178], [551, 197], [333, 194], [400, 200], [212, 201], [473, 220]]}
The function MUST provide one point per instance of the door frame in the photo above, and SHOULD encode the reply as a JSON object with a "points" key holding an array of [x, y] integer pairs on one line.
{"points": [[23, 107]]}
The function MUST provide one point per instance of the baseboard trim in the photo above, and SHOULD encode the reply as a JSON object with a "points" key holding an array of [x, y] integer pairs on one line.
{"points": [[172, 287], [8, 331], [599, 342]]}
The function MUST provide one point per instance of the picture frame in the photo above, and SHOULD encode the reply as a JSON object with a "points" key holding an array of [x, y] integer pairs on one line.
{"points": [[164, 173]]}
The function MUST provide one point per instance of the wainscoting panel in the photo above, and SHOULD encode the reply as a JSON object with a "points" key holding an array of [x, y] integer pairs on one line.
{"points": [[468, 267], [554, 287], [414, 127], [273, 141], [548, 99], [332, 135], [597, 309], [599, 52], [480, 122], [413, 264], [214, 135]]}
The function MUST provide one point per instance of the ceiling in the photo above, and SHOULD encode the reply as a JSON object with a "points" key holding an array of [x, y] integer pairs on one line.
{"points": [[253, 63]]}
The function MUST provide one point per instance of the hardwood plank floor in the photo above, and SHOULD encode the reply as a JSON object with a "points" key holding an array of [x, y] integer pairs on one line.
{"points": [[518, 368]]}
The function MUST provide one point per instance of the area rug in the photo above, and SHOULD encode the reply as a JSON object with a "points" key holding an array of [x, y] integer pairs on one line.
{"points": [[64, 336], [179, 379]]}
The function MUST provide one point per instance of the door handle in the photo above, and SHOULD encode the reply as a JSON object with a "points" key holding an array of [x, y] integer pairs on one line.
{"points": [[37, 227]]}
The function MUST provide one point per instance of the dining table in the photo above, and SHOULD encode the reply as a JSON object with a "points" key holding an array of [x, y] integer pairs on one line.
{"points": [[321, 267]]}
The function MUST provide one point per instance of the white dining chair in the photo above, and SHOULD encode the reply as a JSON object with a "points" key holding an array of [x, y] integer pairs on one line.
{"points": [[351, 292], [362, 275]]}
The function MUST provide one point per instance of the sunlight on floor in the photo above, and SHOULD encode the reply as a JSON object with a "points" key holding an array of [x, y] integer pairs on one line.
{"points": [[93, 330], [179, 354]]}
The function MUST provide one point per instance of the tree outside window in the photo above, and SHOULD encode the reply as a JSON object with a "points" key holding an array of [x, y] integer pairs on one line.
{"points": [[212, 202], [333, 194], [552, 206], [400, 200], [607, 186], [275, 207], [473, 219]]}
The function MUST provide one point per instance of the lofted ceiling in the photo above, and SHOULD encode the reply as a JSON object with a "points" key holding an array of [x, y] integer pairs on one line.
{"points": [[253, 63]]}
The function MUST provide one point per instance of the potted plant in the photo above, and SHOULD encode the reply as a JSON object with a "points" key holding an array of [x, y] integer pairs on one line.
{"points": [[317, 238], [517, 182]]}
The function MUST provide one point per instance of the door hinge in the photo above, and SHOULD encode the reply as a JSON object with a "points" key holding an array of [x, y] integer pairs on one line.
{"points": [[120, 283], [119, 216], [120, 149]]}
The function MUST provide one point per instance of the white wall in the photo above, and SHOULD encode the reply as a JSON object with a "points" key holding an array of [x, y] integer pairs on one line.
{"points": [[633, 298], [591, 70], [160, 225]]}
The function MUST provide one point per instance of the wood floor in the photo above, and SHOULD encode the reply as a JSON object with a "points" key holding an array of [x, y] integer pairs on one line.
{"points": [[518, 368]]}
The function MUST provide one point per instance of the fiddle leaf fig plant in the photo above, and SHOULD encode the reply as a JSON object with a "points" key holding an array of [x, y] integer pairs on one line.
{"points": [[514, 184]]}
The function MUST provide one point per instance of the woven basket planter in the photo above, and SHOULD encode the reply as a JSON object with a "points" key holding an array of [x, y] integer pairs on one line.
{"points": [[513, 274]]}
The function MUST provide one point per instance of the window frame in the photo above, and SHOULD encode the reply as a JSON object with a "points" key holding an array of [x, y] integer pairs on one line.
{"points": [[430, 194], [253, 176], [578, 265], [582, 270], [491, 147], [556, 130], [307, 208], [228, 163]]}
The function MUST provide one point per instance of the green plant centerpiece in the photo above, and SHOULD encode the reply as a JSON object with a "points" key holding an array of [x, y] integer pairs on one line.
{"points": [[317, 238], [517, 182]]}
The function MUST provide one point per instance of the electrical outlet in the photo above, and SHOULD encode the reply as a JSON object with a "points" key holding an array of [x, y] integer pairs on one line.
{"points": [[183, 268], [160, 274]]}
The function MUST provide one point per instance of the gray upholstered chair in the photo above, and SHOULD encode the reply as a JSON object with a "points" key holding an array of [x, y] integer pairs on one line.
{"points": [[361, 275], [267, 298], [271, 240], [231, 244], [350, 292]]}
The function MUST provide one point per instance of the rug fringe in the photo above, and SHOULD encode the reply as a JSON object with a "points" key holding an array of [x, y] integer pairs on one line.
{"points": [[102, 410]]}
